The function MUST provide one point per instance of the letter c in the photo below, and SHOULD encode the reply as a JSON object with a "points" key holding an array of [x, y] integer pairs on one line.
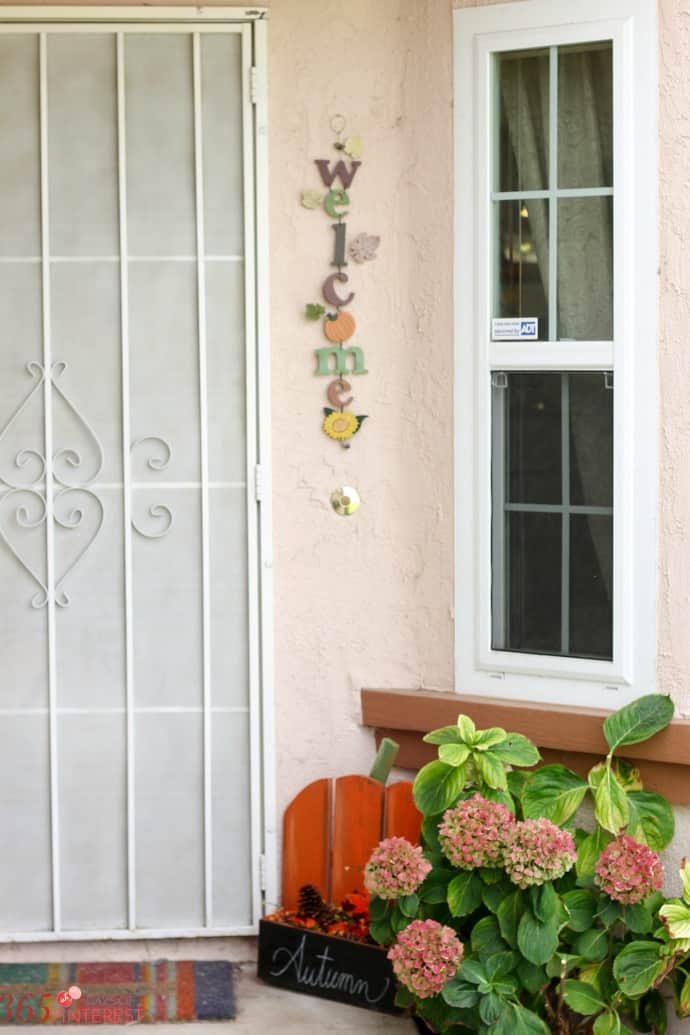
{"points": [[329, 292]]}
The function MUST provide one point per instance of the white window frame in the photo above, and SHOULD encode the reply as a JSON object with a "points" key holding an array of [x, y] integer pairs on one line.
{"points": [[479, 33]]}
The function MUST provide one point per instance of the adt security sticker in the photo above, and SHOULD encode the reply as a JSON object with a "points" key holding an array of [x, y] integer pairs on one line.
{"points": [[518, 328]]}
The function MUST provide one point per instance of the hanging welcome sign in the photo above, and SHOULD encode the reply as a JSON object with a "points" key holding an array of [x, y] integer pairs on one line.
{"points": [[340, 357]]}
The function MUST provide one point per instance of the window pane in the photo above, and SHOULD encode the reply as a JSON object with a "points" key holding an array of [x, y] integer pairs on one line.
{"points": [[533, 438], [552, 514], [534, 583], [585, 115], [522, 276], [585, 269], [591, 577], [591, 440], [523, 147]]}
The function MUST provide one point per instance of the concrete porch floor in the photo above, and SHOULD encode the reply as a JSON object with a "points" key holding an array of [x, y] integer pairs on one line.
{"points": [[260, 1007]]}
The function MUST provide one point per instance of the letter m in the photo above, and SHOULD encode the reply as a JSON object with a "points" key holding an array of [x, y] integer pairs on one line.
{"points": [[340, 357], [345, 175]]}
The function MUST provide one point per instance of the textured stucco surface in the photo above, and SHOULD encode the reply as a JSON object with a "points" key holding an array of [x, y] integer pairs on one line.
{"points": [[364, 600], [674, 356]]}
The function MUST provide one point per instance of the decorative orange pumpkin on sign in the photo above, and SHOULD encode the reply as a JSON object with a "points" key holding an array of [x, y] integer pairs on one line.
{"points": [[339, 326]]}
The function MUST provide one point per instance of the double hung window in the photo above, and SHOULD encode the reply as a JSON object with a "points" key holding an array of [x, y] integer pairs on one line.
{"points": [[555, 350]]}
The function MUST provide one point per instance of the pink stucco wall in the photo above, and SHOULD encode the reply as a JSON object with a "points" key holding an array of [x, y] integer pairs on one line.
{"points": [[365, 600], [673, 616], [369, 600]]}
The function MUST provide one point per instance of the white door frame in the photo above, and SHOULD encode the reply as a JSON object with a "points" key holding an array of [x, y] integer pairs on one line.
{"points": [[264, 832]]}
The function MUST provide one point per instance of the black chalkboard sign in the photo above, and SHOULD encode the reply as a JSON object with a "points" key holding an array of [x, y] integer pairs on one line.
{"points": [[325, 966]]}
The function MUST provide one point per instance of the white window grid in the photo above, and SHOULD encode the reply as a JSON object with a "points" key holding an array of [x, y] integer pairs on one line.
{"points": [[566, 509], [481, 33]]}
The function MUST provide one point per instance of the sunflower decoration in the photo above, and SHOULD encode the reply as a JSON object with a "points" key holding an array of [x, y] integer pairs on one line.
{"points": [[341, 425]]}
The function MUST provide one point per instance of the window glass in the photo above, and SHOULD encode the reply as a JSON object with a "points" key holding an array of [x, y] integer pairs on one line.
{"points": [[523, 261], [553, 243], [524, 121], [552, 513], [585, 115], [585, 269]]}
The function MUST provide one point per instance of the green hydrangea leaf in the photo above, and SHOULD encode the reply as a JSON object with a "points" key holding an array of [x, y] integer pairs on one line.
{"points": [[453, 754], [651, 819], [485, 739], [611, 802], [589, 851], [593, 944], [491, 1006], [430, 832], [408, 905], [638, 918], [518, 1020], [459, 993], [503, 797], [537, 941], [608, 1023], [378, 907], [508, 915], [472, 971], [403, 997], [532, 977], [655, 1012], [638, 721], [545, 903], [499, 965], [517, 750], [582, 997], [637, 966], [683, 999], [581, 907], [676, 918], [467, 729], [491, 769], [554, 792], [685, 879], [486, 938], [443, 735], [464, 893], [434, 890], [437, 787]]}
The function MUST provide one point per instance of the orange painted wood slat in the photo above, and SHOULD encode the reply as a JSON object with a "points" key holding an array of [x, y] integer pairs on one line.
{"points": [[357, 827], [306, 842], [402, 817]]}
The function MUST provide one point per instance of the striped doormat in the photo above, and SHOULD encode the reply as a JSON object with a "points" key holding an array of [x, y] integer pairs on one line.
{"points": [[116, 993]]}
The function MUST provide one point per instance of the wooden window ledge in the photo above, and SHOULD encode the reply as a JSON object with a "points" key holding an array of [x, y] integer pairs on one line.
{"points": [[572, 736]]}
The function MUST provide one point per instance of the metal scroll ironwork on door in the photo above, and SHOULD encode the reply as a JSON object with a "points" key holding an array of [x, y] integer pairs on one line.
{"points": [[128, 517]]}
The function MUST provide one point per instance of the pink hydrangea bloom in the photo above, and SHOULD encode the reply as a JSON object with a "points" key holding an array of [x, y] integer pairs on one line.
{"points": [[425, 955], [395, 868], [628, 871], [538, 851], [474, 832]]}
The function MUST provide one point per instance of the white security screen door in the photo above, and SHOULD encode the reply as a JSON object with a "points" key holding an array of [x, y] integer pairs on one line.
{"points": [[127, 447]]}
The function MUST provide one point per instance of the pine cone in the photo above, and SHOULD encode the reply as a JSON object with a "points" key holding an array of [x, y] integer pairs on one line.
{"points": [[312, 906], [310, 903]]}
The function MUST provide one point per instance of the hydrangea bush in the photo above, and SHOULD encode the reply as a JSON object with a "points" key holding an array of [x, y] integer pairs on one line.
{"points": [[512, 919]]}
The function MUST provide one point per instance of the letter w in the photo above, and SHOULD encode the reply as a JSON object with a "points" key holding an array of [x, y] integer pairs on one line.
{"points": [[345, 175]]}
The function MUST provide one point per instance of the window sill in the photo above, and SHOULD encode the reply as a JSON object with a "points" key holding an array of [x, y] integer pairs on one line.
{"points": [[571, 736]]}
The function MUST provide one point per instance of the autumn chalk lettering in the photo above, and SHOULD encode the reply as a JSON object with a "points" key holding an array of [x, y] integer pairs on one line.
{"points": [[288, 963]]}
